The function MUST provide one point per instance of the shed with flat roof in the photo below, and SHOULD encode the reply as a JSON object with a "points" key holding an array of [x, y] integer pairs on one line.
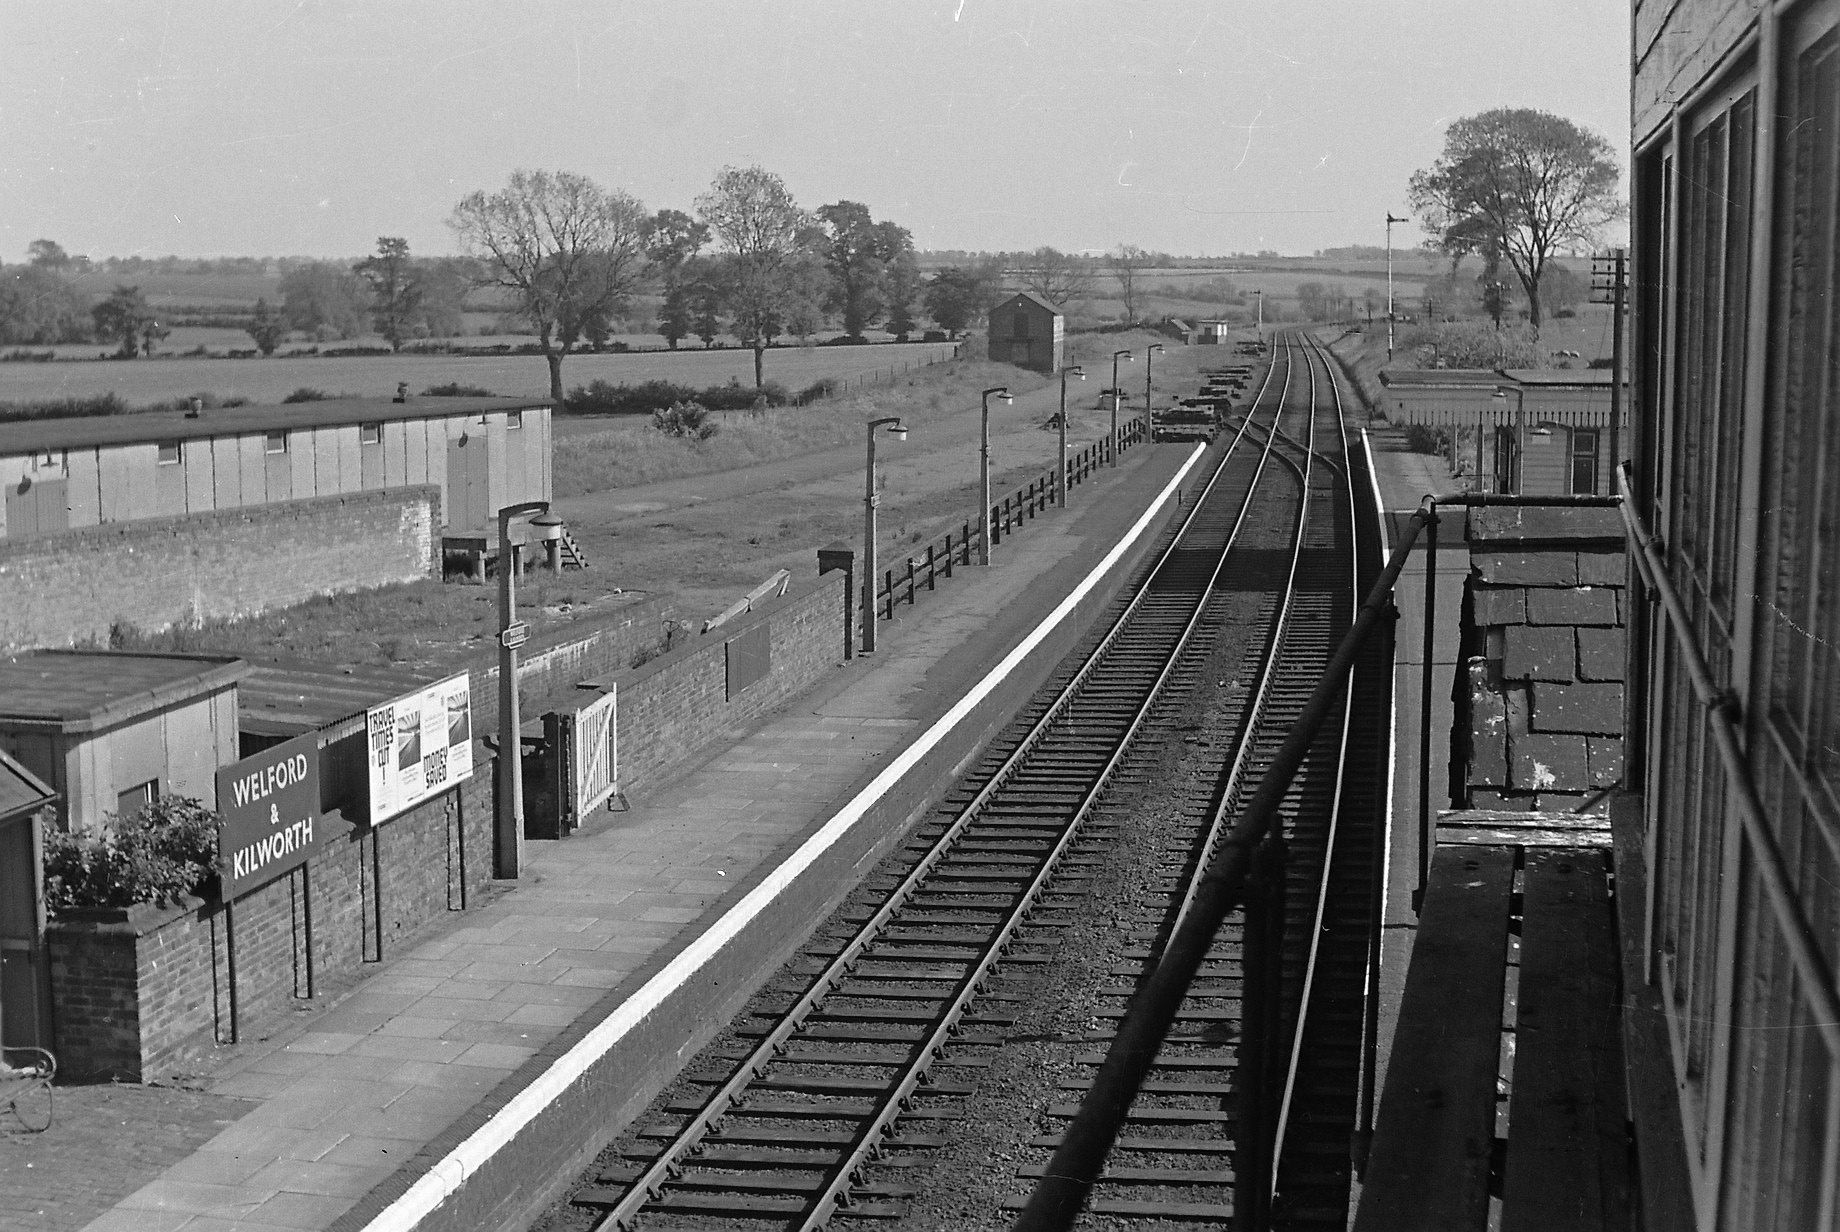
{"points": [[110, 732]]}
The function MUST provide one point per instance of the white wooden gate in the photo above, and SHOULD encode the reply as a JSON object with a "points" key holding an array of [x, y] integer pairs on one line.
{"points": [[594, 752]]}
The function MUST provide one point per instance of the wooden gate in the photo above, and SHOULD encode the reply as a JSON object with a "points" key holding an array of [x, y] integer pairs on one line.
{"points": [[583, 762]]}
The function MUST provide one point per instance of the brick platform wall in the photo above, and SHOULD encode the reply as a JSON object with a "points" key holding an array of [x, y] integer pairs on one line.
{"points": [[136, 994], [1544, 657], [71, 586], [678, 704]]}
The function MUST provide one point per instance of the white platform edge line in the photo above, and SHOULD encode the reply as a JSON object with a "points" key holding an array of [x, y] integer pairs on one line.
{"points": [[444, 1178]]}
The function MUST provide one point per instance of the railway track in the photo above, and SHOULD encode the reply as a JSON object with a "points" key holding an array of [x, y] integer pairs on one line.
{"points": [[1296, 960], [854, 1066]]}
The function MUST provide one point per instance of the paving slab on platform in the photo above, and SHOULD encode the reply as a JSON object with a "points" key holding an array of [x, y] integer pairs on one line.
{"points": [[425, 1047]]}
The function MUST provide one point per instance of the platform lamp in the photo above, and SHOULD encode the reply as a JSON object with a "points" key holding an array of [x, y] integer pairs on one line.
{"points": [[549, 532], [508, 821], [1060, 494], [1116, 395], [1154, 348], [1001, 393], [871, 499]]}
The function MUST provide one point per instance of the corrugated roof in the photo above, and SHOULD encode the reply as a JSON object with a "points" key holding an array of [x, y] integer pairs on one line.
{"points": [[86, 690], [39, 435], [282, 697], [1591, 377], [21, 791]]}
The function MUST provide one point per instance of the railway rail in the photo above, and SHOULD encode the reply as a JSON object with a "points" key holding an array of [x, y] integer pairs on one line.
{"points": [[855, 1066]]}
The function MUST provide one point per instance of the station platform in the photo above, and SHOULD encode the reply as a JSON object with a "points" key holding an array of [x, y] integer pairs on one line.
{"points": [[445, 1088]]}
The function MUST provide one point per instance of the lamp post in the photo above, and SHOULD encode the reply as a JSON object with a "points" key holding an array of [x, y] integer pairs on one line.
{"points": [[1259, 327], [1520, 428], [872, 499], [1154, 348], [1060, 495], [1390, 220], [1001, 393], [508, 823], [1116, 395]]}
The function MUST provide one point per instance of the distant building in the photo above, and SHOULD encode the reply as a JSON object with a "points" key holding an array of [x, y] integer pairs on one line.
{"points": [[151, 519], [111, 733], [64, 474], [1547, 434], [1028, 331]]}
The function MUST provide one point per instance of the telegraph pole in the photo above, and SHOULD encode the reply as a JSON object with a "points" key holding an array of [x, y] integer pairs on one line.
{"points": [[1390, 220], [1610, 278]]}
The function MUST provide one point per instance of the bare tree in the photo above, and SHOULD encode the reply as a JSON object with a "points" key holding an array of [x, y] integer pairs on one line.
{"points": [[1125, 264], [571, 252], [1522, 183], [766, 288], [1056, 276]]}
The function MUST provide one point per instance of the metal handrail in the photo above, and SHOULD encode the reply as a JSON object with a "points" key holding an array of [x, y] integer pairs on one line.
{"points": [[1081, 1155], [1725, 715]]}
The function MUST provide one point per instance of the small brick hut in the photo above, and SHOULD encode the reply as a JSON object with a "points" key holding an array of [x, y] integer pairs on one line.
{"points": [[1028, 331]]}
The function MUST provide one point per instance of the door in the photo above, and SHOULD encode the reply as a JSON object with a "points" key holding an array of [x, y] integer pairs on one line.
{"points": [[25, 998], [466, 484]]}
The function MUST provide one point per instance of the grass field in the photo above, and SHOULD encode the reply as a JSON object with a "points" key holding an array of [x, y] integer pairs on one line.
{"points": [[265, 381], [722, 530]]}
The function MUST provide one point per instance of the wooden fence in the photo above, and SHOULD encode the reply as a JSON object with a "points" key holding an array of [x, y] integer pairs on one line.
{"points": [[923, 569]]}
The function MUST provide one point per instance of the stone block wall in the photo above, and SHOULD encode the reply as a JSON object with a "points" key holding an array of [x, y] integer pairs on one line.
{"points": [[137, 994], [70, 586], [1543, 644]]}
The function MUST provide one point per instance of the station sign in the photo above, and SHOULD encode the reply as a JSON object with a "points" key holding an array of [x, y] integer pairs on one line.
{"points": [[516, 634], [269, 806], [419, 745]]}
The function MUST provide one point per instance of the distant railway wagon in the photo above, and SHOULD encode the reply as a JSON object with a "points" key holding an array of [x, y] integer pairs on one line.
{"points": [[481, 453], [1734, 739]]}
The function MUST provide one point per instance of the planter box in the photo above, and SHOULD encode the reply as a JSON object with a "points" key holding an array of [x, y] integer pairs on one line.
{"points": [[133, 990]]}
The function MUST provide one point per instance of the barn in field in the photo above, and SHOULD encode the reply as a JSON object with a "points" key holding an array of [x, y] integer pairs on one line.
{"points": [[1028, 331]]}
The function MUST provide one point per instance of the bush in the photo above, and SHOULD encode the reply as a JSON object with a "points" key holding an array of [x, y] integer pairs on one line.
{"points": [[604, 398], [454, 389], [159, 855], [1423, 438], [22, 356], [64, 408], [210, 400], [735, 396], [824, 387], [685, 419], [306, 393]]}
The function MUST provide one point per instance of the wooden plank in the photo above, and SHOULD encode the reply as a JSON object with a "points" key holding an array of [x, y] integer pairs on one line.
{"points": [[1535, 820], [1483, 836], [1654, 1102], [1567, 1148], [1429, 1169]]}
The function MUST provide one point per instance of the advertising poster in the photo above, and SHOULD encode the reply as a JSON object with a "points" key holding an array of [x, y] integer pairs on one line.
{"points": [[421, 744], [269, 804]]}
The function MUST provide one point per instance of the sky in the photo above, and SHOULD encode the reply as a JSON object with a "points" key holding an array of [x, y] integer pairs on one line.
{"points": [[1201, 127]]}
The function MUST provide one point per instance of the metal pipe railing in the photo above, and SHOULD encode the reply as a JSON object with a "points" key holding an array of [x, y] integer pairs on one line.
{"points": [[1724, 714], [1069, 1176]]}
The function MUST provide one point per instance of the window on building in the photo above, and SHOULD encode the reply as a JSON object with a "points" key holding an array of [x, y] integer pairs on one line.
{"points": [[133, 800], [370, 434], [1584, 461], [514, 419], [169, 453], [276, 442]]}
